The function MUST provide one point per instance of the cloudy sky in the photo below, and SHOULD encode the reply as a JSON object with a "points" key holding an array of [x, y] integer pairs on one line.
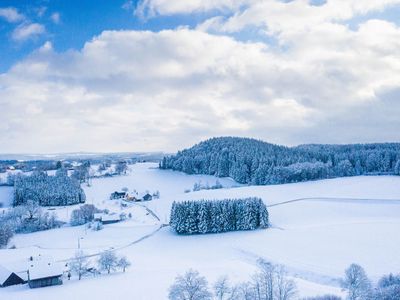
{"points": [[164, 74]]}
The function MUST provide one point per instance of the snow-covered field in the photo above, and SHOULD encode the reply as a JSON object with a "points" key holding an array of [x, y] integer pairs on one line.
{"points": [[332, 224]]}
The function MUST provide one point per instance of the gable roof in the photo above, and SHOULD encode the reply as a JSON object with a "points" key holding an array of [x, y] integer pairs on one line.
{"points": [[4, 274], [44, 269]]}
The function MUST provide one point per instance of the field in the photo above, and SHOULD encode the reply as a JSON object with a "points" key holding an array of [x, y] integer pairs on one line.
{"points": [[318, 229]]}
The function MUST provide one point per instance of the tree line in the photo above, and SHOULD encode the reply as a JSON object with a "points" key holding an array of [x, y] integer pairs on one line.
{"points": [[214, 216], [256, 162], [271, 282]]}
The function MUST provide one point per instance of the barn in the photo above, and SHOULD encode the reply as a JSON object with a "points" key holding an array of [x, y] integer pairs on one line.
{"points": [[146, 197], [44, 273], [8, 277]]}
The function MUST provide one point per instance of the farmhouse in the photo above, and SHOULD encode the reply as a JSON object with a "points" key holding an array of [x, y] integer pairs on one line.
{"points": [[107, 218], [43, 273], [118, 195], [8, 278]]}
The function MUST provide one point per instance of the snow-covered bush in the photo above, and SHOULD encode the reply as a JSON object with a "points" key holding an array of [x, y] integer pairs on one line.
{"points": [[388, 288], [197, 186], [24, 219], [97, 226], [6, 232], [205, 216], [47, 190]]}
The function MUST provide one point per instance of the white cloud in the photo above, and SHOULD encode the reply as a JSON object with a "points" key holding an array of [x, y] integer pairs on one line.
{"points": [[55, 17], [27, 31], [151, 8], [140, 90], [11, 14]]}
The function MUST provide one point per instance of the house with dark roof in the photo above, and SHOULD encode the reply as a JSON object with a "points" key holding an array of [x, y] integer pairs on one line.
{"points": [[146, 197], [118, 195], [8, 278]]}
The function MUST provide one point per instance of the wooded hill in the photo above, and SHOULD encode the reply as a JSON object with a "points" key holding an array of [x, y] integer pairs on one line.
{"points": [[256, 162]]}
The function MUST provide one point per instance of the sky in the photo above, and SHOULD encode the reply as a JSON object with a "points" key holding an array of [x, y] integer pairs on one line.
{"points": [[162, 75]]}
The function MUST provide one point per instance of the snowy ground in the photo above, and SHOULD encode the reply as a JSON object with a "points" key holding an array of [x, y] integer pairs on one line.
{"points": [[341, 221]]}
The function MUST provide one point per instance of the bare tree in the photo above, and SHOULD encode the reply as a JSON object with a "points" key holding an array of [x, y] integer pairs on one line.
{"points": [[244, 291], [79, 264], [285, 288], [271, 282], [356, 283], [32, 209], [221, 288], [190, 286], [108, 261], [123, 263]]}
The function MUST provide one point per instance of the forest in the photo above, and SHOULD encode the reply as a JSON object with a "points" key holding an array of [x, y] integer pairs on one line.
{"points": [[47, 190], [251, 161]]}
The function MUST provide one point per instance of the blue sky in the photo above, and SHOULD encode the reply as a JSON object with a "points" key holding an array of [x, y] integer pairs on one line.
{"points": [[79, 22], [151, 75]]}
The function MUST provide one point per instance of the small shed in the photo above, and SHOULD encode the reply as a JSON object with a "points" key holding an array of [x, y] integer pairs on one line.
{"points": [[8, 277], [109, 219], [43, 273], [146, 197]]}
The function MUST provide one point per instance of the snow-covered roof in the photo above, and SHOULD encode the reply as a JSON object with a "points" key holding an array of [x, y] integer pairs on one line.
{"points": [[97, 216], [144, 194], [44, 269], [113, 217], [4, 274]]}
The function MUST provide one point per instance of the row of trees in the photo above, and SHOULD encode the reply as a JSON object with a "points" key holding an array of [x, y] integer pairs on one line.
{"points": [[26, 218], [108, 262], [271, 282], [256, 162], [206, 216], [47, 190]]}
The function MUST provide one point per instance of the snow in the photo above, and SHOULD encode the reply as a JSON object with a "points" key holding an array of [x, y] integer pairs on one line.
{"points": [[44, 268], [331, 224]]}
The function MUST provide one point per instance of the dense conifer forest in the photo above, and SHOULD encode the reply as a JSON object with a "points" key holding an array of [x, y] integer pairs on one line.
{"points": [[215, 216], [256, 162], [47, 190]]}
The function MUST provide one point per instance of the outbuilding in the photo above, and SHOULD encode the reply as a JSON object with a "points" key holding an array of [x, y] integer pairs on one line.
{"points": [[146, 197], [8, 277], [106, 218], [43, 273]]}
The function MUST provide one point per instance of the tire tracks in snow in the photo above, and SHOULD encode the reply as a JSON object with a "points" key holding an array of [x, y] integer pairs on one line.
{"points": [[338, 199]]}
